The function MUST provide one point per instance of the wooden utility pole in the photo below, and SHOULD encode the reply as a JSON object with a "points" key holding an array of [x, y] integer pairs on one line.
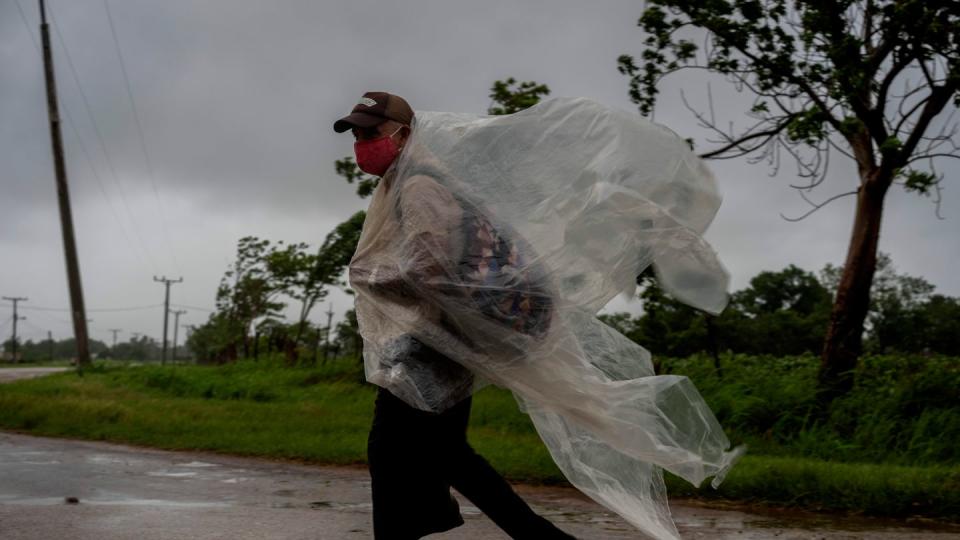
{"points": [[50, 341], [326, 344], [166, 311], [13, 340], [114, 331], [77, 309], [189, 328], [176, 326]]}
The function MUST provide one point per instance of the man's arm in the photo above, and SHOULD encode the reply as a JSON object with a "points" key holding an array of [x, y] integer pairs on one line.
{"points": [[431, 221], [429, 241]]}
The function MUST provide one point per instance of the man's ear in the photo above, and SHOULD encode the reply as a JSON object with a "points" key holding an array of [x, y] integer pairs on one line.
{"points": [[405, 134]]}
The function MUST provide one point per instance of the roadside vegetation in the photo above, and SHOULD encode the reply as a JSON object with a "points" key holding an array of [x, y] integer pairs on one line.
{"points": [[887, 448]]}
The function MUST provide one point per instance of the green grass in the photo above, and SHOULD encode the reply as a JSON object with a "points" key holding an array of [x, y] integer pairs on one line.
{"points": [[903, 410], [322, 415]]}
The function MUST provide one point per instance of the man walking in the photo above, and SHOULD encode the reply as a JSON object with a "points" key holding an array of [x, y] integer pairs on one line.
{"points": [[416, 456]]}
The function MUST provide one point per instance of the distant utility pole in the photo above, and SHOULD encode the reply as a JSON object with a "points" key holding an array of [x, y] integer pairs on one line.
{"points": [[189, 328], [50, 341], [166, 311], [326, 345], [115, 331], [13, 340], [176, 325], [77, 309]]}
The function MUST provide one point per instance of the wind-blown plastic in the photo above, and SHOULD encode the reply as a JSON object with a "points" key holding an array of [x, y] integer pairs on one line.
{"points": [[487, 252]]}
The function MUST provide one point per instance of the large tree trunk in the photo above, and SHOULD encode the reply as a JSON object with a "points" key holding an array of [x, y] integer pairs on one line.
{"points": [[844, 339]]}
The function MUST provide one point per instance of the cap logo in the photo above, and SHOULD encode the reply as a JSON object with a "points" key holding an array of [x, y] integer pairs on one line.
{"points": [[367, 101]]}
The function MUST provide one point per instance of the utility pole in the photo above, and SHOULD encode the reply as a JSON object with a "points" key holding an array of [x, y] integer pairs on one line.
{"points": [[13, 340], [166, 311], [115, 331], [77, 309], [189, 328], [50, 341], [176, 325], [326, 345]]}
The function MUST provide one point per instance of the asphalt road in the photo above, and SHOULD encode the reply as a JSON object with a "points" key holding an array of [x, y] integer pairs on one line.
{"points": [[10, 374], [55, 488]]}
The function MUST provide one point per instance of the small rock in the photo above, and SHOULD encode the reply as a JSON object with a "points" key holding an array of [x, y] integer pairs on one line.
{"points": [[71, 500]]}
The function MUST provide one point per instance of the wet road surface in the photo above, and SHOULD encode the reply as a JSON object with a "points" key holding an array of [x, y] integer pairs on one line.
{"points": [[55, 488], [13, 374], [125, 492]]}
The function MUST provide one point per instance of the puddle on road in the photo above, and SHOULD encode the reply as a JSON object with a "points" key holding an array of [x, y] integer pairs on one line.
{"points": [[328, 505], [156, 503], [792, 522], [103, 459], [172, 474], [196, 464]]}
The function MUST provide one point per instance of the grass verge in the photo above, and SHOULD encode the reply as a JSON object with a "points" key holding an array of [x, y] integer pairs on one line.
{"points": [[322, 415]]}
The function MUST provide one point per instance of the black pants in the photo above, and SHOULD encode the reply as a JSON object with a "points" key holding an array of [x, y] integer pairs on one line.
{"points": [[416, 456]]}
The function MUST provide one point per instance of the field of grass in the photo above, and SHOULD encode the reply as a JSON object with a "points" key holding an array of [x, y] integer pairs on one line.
{"points": [[322, 414]]}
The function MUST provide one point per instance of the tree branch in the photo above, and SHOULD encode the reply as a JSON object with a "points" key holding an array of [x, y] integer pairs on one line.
{"points": [[819, 205], [938, 98], [736, 143]]}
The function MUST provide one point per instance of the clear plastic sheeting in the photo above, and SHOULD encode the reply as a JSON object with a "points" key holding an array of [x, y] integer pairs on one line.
{"points": [[488, 250]]}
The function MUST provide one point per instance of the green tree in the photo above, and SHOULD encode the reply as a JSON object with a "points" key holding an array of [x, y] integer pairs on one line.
{"points": [[941, 325], [780, 313], [214, 342], [826, 78], [250, 289], [140, 349], [508, 96]]}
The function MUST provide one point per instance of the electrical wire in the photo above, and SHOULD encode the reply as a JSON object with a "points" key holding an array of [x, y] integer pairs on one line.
{"points": [[143, 141], [89, 310], [46, 315], [70, 122], [184, 306], [5, 323], [103, 147]]}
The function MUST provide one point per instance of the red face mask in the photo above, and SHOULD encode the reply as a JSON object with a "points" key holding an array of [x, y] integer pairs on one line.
{"points": [[376, 155]]}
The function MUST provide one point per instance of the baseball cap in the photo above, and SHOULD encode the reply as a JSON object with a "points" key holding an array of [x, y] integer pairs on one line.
{"points": [[373, 109]]}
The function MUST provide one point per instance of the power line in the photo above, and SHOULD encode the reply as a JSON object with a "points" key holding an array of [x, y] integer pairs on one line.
{"points": [[46, 315], [208, 310], [96, 310], [103, 147], [143, 140], [73, 127]]}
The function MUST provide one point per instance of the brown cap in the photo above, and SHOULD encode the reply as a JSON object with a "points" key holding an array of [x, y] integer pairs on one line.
{"points": [[373, 109]]}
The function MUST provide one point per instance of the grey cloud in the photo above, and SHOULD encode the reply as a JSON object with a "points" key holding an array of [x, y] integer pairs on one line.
{"points": [[237, 100]]}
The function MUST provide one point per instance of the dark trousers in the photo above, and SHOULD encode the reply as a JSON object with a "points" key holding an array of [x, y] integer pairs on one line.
{"points": [[416, 456]]}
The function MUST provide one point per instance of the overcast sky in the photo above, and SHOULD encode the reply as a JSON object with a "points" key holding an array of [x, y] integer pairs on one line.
{"points": [[236, 101]]}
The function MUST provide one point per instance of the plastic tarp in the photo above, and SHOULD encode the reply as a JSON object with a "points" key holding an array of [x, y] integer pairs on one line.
{"points": [[487, 252]]}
